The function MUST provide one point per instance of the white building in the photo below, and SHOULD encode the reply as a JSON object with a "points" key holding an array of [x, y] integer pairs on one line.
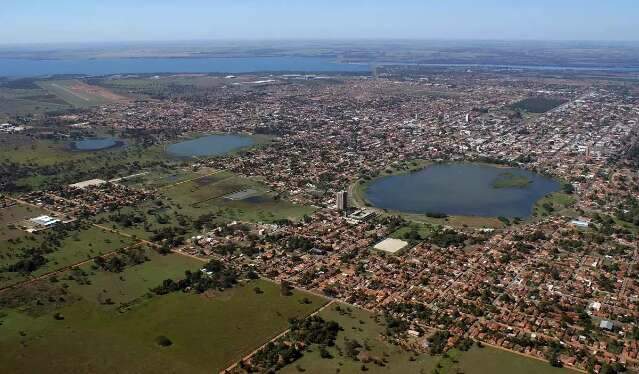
{"points": [[342, 200]]}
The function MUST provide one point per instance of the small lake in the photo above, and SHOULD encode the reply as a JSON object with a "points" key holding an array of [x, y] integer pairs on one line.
{"points": [[461, 189], [210, 145], [96, 144]]}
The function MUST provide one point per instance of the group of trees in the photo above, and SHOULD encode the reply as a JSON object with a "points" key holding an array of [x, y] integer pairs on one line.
{"points": [[438, 342], [447, 237], [274, 356], [117, 263], [215, 275], [299, 243], [314, 330], [303, 332]]}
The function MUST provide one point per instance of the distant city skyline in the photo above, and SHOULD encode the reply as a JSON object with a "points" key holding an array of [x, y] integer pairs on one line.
{"points": [[89, 21]]}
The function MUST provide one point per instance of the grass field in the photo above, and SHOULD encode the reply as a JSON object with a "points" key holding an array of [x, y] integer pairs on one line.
{"points": [[28, 101], [204, 195], [207, 195], [163, 177], [133, 284], [79, 246], [41, 152], [80, 94], [555, 203], [488, 360], [208, 333]]}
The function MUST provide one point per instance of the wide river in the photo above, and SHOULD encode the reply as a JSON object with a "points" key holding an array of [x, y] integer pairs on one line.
{"points": [[210, 145], [29, 67], [462, 189]]}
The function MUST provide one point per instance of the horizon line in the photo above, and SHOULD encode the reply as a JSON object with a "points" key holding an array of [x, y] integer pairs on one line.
{"points": [[292, 39]]}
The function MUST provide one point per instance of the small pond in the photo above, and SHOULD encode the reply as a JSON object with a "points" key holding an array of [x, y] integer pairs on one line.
{"points": [[210, 145], [96, 144]]}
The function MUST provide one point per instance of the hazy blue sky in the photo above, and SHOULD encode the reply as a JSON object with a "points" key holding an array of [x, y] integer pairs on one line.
{"points": [[140, 20]]}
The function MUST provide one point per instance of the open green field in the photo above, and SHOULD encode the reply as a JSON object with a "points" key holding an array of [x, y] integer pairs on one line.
{"points": [[112, 290], [208, 333], [207, 195], [185, 201], [162, 177], [79, 246], [28, 100], [79, 94], [77, 166], [41, 152], [488, 360], [555, 203]]}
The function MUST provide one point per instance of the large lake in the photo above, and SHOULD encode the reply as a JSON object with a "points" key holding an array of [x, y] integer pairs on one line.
{"points": [[460, 189], [29, 67], [210, 145]]}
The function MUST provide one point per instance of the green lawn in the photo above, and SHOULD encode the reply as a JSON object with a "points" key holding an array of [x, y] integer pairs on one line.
{"points": [[208, 333]]}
